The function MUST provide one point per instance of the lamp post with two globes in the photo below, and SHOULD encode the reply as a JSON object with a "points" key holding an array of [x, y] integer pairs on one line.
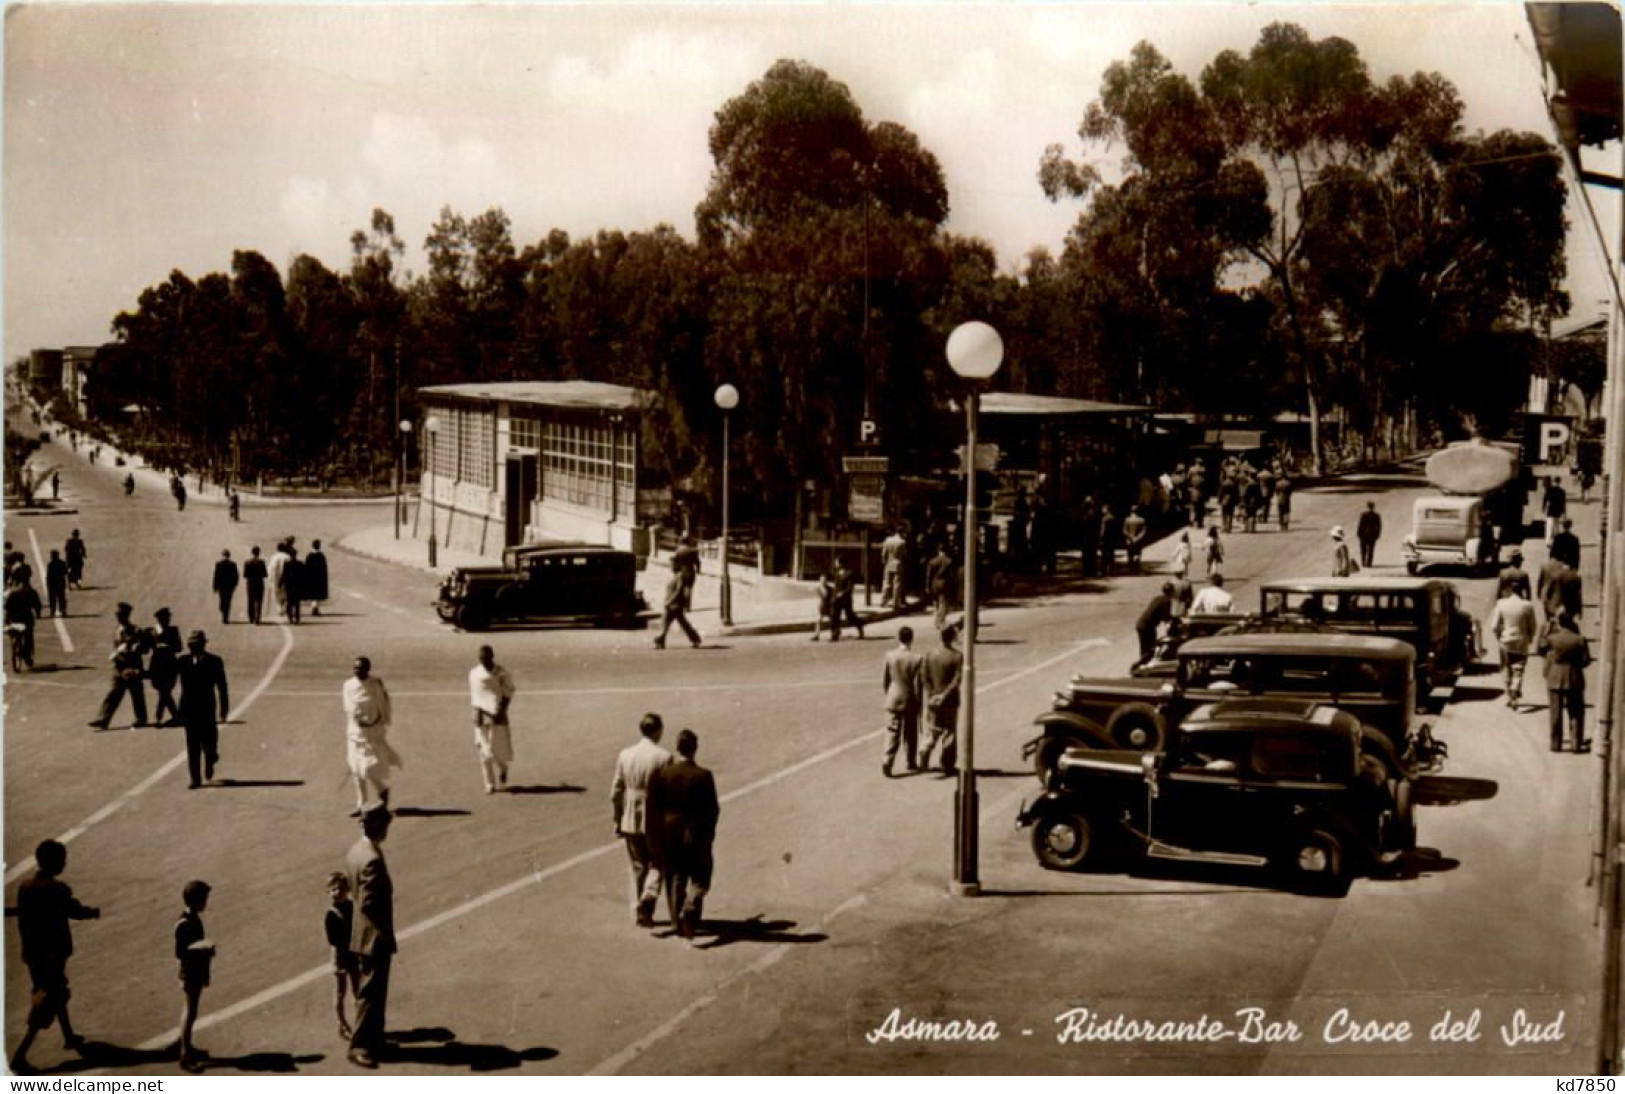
{"points": [[727, 398], [975, 352]]}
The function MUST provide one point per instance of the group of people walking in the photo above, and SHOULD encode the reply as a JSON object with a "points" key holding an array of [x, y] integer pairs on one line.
{"points": [[1557, 640], [292, 581], [922, 688]]}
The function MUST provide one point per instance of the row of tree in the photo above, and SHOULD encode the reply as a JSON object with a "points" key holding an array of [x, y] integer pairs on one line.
{"points": [[1283, 234]]}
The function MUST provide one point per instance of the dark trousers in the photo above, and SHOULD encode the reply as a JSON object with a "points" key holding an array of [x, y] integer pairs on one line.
{"points": [[371, 1000], [202, 748], [138, 699], [1573, 702], [48, 1002], [687, 881], [1148, 643], [256, 600], [680, 617], [903, 731], [163, 692], [57, 595], [1368, 552], [226, 596], [842, 614]]}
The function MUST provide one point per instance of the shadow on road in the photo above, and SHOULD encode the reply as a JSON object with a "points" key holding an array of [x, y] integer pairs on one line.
{"points": [[439, 1047], [429, 811], [262, 1063], [717, 933], [1453, 790], [96, 1054], [562, 788], [1414, 864], [1470, 694], [234, 784]]}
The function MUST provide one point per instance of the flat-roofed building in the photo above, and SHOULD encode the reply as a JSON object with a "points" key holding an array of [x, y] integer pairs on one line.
{"points": [[529, 460]]}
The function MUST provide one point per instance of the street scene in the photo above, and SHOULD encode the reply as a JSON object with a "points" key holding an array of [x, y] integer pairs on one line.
{"points": [[807, 640]]}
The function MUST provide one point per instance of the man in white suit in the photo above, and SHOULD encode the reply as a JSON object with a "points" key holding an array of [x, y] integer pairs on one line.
{"points": [[629, 797]]}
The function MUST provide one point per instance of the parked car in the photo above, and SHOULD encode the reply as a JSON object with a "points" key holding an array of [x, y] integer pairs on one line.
{"points": [[1164, 661], [1424, 612], [571, 583], [1444, 530], [1372, 678], [1287, 785]]}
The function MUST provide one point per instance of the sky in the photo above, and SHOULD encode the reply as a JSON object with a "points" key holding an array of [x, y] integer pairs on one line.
{"points": [[141, 138]]}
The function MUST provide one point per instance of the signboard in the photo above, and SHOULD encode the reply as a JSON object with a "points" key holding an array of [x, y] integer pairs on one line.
{"points": [[866, 465], [987, 457], [867, 500]]}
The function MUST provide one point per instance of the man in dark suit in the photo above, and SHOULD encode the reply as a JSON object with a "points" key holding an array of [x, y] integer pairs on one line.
{"points": [[202, 675], [1368, 531], [941, 688], [372, 934], [56, 584], [683, 811], [1566, 545], [1567, 656], [225, 584], [1560, 591], [254, 576]]}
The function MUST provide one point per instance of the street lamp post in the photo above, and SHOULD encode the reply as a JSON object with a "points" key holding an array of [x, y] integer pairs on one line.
{"points": [[727, 398], [975, 352], [431, 426], [400, 472]]}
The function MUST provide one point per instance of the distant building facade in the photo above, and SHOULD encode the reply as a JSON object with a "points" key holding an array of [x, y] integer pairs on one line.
{"points": [[525, 461]]}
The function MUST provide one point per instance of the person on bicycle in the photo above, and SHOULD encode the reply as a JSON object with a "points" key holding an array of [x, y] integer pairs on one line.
{"points": [[22, 607]]}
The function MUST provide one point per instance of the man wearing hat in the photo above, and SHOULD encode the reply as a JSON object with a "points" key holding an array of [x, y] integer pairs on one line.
{"points": [[129, 644], [202, 674], [166, 649], [1513, 576], [372, 933]]}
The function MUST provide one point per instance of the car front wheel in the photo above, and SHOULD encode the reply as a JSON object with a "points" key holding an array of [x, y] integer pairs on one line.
{"points": [[1063, 841], [1316, 862]]}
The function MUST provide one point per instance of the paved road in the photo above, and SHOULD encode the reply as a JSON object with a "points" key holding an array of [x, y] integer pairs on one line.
{"points": [[519, 952]]}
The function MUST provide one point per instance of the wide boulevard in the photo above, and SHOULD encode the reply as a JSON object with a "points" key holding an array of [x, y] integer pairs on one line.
{"points": [[830, 912]]}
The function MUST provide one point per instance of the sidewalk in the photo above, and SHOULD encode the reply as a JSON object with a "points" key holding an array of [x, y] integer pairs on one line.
{"points": [[781, 606]]}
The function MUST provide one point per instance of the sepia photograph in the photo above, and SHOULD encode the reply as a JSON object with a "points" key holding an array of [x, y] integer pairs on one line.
{"points": [[860, 538]]}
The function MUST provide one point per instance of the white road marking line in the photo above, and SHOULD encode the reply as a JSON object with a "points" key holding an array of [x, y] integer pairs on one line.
{"points": [[613, 1064], [61, 627], [309, 976], [147, 783]]}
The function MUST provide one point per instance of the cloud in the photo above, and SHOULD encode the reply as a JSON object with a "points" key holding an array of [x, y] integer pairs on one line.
{"points": [[305, 205], [466, 173], [657, 71]]}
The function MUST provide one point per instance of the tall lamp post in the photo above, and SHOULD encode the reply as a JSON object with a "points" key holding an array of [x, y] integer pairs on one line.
{"points": [[431, 426], [975, 352], [727, 398], [400, 471]]}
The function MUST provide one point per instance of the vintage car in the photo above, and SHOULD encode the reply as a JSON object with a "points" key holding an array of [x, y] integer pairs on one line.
{"points": [[1164, 658], [1372, 678], [568, 583], [1264, 783], [1424, 612]]}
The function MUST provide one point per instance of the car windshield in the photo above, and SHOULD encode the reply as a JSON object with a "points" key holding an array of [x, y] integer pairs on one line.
{"points": [[1306, 757]]}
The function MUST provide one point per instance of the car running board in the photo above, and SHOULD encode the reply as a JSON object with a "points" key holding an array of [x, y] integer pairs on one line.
{"points": [[1158, 849]]}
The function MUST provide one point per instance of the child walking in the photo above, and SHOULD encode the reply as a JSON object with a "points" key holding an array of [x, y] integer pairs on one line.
{"points": [[45, 905], [337, 923], [195, 953]]}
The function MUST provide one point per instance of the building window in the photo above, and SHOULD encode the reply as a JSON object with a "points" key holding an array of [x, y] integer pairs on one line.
{"points": [[587, 465], [524, 433], [464, 447]]}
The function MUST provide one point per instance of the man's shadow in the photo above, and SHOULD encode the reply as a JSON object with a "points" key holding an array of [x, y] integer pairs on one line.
{"points": [[711, 934], [561, 788], [101, 1054], [437, 1046]]}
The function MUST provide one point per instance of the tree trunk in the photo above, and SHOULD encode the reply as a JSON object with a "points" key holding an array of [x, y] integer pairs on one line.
{"points": [[1316, 463]]}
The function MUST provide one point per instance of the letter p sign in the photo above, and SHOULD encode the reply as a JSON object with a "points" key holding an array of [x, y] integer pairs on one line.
{"points": [[868, 431], [1553, 435]]}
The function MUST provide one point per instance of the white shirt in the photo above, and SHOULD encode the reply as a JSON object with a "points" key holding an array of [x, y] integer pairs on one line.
{"points": [[366, 706], [488, 688], [1213, 598]]}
